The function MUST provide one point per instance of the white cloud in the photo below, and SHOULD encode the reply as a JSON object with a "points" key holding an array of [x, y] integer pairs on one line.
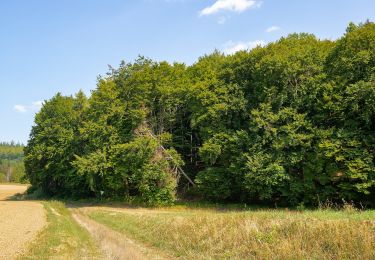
{"points": [[35, 106], [233, 47], [229, 5], [273, 29], [20, 108]]}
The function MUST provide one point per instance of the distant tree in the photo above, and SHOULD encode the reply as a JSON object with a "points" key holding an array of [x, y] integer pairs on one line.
{"points": [[11, 162]]}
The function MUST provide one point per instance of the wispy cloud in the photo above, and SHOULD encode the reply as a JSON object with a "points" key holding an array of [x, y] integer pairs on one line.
{"points": [[273, 29], [35, 106], [233, 47], [20, 108], [229, 5]]}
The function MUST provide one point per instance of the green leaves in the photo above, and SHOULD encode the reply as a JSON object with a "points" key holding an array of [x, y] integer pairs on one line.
{"points": [[353, 58], [215, 183], [292, 122], [53, 143]]}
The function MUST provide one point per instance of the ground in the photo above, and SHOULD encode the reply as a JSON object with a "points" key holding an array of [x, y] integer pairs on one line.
{"points": [[20, 221], [51, 229], [220, 233]]}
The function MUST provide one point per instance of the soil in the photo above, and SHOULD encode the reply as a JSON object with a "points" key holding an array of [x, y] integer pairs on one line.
{"points": [[115, 245], [20, 221]]}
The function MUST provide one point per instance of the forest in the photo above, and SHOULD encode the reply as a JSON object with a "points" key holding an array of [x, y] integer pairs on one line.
{"points": [[11, 163], [288, 123]]}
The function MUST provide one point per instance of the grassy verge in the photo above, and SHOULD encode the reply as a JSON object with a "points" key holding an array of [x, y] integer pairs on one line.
{"points": [[205, 234], [63, 238]]}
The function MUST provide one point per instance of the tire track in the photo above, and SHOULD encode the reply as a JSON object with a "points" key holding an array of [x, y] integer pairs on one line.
{"points": [[114, 245]]}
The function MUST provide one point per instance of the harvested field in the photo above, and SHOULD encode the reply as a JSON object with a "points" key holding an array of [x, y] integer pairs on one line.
{"points": [[20, 222]]}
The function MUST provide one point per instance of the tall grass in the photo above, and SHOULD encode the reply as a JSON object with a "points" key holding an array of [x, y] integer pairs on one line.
{"points": [[262, 234]]}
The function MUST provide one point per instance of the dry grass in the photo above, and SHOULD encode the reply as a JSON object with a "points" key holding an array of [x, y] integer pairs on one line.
{"points": [[265, 234]]}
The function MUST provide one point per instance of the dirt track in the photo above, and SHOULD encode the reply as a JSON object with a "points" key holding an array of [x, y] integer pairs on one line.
{"points": [[114, 245], [20, 221]]}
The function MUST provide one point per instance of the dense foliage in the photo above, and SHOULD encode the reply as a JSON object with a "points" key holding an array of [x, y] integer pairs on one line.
{"points": [[291, 122], [11, 163]]}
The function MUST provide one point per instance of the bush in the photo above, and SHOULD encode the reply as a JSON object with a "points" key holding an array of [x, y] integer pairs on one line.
{"points": [[214, 184]]}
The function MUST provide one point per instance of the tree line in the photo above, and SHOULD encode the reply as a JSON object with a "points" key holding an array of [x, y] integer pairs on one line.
{"points": [[290, 122], [11, 162]]}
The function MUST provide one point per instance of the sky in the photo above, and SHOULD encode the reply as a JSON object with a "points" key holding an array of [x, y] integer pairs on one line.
{"points": [[63, 46]]}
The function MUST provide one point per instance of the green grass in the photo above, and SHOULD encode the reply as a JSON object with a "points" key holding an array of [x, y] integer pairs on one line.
{"points": [[263, 234], [63, 238]]}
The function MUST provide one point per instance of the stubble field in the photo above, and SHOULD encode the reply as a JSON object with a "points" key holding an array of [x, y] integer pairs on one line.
{"points": [[20, 221]]}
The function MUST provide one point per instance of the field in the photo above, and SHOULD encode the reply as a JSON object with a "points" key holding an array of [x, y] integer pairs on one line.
{"points": [[20, 221], [181, 129], [82, 231], [263, 234]]}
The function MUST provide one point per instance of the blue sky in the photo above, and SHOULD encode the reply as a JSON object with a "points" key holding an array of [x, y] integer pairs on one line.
{"points": [[62, 46]]}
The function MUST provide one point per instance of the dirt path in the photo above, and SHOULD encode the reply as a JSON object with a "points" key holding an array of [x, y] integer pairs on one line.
{"points": [[20, 221], [114, 245]]}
